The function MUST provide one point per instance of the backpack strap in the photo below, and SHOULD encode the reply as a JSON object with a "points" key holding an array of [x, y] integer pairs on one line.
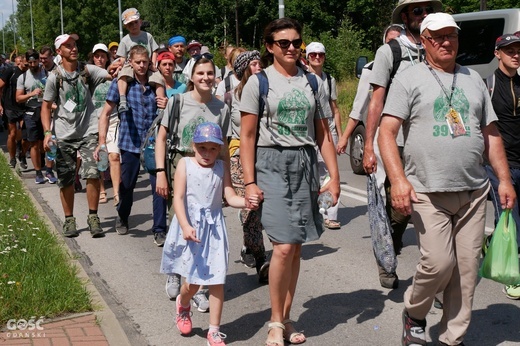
{"points": [[397, 57], [263, 86], [329, 82], [173, 128], [227, 82], [490, 83]]}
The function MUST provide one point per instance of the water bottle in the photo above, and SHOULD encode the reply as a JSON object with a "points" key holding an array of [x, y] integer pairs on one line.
{"points": [[53, 147], [102, 163], [325, 201], [149, 155]]}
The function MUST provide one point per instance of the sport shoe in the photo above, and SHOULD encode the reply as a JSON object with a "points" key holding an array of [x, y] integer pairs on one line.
{"points": [[413, 331], [247, 258], [49, 176], [12, 163], [263, 272], [23, 161], [512, 291], [123, 106], [183, 318], [94, 226], [159, 238], [173, 286], [200, 301], [215, 337], [69, 228], [40, 179], [121, 226]]}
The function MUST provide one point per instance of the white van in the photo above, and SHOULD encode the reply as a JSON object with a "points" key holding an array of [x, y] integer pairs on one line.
{"points": [[477, 36]]}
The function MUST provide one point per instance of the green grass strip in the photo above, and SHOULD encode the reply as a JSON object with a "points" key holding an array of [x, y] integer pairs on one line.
{"points": [[37, 277]]}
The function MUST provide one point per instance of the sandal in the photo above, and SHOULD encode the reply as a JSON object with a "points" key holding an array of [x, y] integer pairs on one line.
{"points": [[294, 338], [116, 200], [103, 197], [332, 224], [270, 326]]}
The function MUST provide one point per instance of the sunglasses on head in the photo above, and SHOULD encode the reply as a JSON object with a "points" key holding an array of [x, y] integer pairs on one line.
{"points": [[284, 44], [197, 57], [418, 11]]}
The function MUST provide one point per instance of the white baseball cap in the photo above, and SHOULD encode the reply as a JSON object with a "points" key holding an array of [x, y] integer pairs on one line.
{"points": [[314, 47], [100, 46], [438, 21], [64, 38]]}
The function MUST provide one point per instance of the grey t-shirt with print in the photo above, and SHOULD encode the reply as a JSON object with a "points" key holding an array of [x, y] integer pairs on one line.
{"points": [[80, 122], [435, 161], [192, 114], [292, 108], [29, 82], [144, 39]]}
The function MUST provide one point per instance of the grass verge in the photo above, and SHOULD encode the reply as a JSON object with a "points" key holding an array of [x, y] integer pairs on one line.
{"points": [[37, 278], [346, 94]]}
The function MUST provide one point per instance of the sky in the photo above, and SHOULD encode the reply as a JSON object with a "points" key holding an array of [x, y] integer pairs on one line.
{"points": [[6, 7]]}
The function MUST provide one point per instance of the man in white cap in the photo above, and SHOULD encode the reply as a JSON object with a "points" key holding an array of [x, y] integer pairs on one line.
{"points": [[70, 86], [408, 45], [449, 123]]}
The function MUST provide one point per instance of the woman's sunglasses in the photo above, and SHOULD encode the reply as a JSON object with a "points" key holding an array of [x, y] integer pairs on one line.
{"points": [[284, 44]]}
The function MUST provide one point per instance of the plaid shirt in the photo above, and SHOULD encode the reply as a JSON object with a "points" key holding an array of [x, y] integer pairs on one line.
{"points": [[135, 122]]}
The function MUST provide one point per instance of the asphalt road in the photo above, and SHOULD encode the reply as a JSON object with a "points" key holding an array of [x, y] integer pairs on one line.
{"points": [[338, 301]]}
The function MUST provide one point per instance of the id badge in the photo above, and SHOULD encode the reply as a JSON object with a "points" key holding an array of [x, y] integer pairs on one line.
{"points": [[70, 106], [455, 123]]}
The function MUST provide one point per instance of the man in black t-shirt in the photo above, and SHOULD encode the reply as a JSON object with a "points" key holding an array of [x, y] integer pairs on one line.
{"points": [[13, 110], [504, 87]]}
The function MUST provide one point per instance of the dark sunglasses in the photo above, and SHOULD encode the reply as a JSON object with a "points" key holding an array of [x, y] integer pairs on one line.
{"points": [[418, 11], [315, 55], [284, 44], [197, 57]]}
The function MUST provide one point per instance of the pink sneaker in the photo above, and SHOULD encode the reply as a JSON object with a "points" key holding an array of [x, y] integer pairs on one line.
{"points": [[183, 318], [216, 338]]}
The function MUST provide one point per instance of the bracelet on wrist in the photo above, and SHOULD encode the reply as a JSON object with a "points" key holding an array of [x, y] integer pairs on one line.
{"points": [[157, 170], [250, 183], [47, 133]]}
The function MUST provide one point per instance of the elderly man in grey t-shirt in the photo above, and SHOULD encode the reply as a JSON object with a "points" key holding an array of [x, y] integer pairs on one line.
{"points": [[449, 124]]}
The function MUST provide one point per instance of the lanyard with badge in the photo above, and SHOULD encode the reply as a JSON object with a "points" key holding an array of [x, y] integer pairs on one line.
{"points": [[71, 104], [453, 118]]}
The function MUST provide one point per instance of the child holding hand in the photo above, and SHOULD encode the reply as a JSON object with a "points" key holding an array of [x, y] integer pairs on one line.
{"points": [[197, 245]]}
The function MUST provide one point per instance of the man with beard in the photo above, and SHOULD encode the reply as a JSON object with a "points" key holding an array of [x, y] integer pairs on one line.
{"points": [[177, 45], [29, 91], [410, 13]]}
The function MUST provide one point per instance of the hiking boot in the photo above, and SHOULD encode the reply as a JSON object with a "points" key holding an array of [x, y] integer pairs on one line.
{"points": [[40, 179], [200, 301], [23, 161], [173, 286], [12, 163], [69, 228], [388, 280], [49, 176], [215, 337], [159, 238], [413, 331], [247, 258], [94, 226], [262, 269], [512, 291], [121, 226], [183, 317]]}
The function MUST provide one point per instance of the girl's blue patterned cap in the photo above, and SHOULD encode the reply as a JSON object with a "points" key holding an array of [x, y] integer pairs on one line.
{"points": [[208, 132]]}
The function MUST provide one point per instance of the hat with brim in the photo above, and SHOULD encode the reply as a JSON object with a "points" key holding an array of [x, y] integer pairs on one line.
{"points": [[506, 40], [396, 15], [194, 43], [113, 44], [208, 132], [438, 21], [100, 46], [64, 38]]}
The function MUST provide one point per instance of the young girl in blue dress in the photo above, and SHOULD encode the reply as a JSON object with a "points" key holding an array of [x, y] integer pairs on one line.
{"points": [[197, 245]]}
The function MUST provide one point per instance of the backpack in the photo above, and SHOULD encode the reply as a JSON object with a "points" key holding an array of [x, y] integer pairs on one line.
{"points": [[147, 150], [490, 83], [263, 86], [397, 58], [83, 73]]}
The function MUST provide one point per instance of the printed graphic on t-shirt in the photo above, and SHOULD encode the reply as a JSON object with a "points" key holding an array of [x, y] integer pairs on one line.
{"points": [[189, 129], [100, 95], [78, 94], [292, 113], [441, 107]]}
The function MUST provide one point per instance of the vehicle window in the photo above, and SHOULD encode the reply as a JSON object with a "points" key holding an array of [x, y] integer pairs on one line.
{"points": [[477, 40]]}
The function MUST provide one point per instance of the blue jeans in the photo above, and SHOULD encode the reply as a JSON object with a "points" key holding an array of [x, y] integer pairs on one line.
{"points": [[130, 166], [495, 198]]}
